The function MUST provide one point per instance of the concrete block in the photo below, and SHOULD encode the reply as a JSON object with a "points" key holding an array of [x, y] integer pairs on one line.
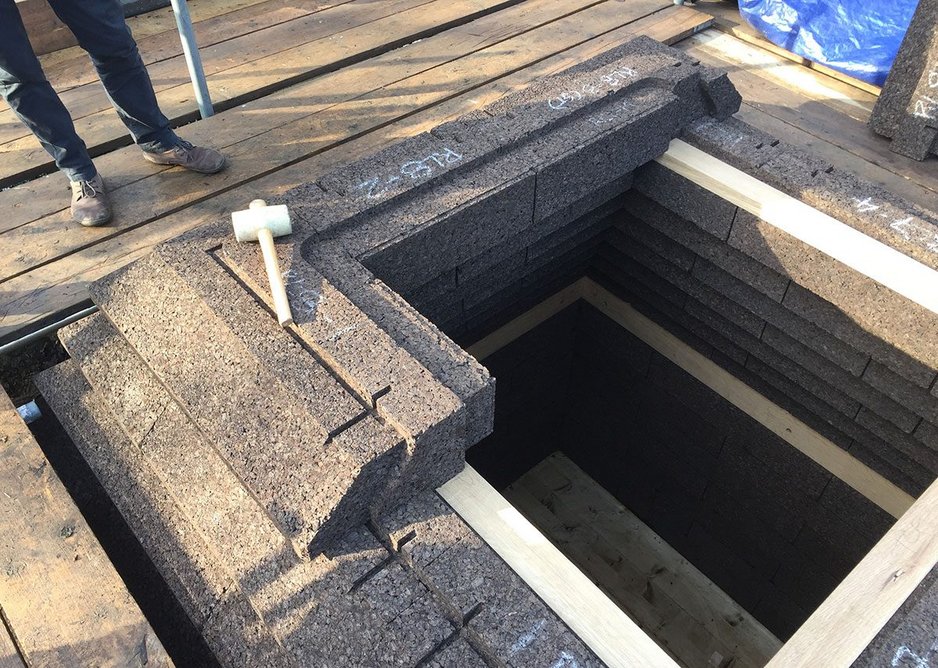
{"points": [[842, 503], [781, 458], [569, 237], [206, 490], [904, 393], [724, 568], [877, 213], [607, 145], [888, 461], [399, 172], [773, 367], [238, 637], [422, 529], [722, 294], [412, 636], [439, 288], [156, 308], [791, 168], [111, 366], [622, 268], [910, 447], [748, 480], [910, 633], [191, 471], [688, 200], [779, 613], [401, 390], [733, 141], [430, 240], [660, 243], [806, 583], [906, 110], [806, 332], [512, 621]]}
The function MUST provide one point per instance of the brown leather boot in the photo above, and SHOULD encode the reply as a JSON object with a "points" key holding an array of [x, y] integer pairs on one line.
{"points": [[90, 204], [196, 158]]}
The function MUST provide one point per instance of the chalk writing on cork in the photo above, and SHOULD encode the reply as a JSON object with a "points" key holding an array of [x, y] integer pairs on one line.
{"points": [[379, 186], [926, 106], [610, 81]]}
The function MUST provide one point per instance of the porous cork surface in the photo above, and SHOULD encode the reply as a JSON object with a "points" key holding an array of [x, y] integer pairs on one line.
{"points": [[907, 108], [282, 479]]}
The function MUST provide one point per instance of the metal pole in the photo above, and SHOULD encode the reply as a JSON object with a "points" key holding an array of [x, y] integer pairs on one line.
{"points": [[193, 59], [39, 333]]}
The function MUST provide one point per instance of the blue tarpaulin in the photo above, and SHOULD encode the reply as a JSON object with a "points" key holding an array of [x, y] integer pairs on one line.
{"points": [[856, 37]]}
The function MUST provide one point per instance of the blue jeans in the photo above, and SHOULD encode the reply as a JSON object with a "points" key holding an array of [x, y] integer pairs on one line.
{"points": [[100, 29]]}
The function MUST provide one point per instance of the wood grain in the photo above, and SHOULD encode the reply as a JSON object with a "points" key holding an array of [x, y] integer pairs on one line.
{"points": [[599, 622], [60, 594], [670, 599]]}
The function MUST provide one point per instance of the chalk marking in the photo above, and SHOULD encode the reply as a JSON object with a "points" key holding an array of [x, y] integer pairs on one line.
{"points": [[566, 659], [524, 641]]}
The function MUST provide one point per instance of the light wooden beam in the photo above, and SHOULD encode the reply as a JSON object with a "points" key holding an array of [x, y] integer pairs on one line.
{"points": [[773, 417], [527, 321], [599, 622], [848, 620], [884, 264]]}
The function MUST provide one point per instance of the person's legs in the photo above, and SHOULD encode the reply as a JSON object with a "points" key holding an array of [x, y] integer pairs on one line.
{"points": [[24, 87], [100, 29]]}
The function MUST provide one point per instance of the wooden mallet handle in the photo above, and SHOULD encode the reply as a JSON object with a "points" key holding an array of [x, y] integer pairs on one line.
{"points": [[277, 289]]}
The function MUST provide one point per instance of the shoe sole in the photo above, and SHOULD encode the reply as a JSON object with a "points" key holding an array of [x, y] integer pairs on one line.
{"points": [[191, 169], [95, 223]]}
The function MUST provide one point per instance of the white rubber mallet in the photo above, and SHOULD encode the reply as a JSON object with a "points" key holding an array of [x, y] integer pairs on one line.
{"points": [[262, 223]]}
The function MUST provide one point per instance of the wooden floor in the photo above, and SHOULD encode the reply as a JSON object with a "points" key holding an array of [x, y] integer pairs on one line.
{"points": [[306, 86], [358, 91], [689, 616]]}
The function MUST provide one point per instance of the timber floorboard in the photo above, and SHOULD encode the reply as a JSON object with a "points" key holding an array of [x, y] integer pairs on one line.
{"points": [[690, 617], [62, 604], [294, 135]]}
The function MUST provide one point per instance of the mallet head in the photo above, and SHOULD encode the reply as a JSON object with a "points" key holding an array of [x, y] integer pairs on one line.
{"points": [[274, 218]]}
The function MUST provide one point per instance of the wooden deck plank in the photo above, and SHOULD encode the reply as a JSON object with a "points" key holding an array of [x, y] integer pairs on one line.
{"points": [[157, 22], [799, 109], [265, 61], [43, 196], [76, 80], [686, 612], [9, 655], [59, 593], [62, 284], [373, 95]]}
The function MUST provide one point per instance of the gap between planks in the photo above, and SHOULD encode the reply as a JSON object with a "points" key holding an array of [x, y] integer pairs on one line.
{"points": [[60, 284]]}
